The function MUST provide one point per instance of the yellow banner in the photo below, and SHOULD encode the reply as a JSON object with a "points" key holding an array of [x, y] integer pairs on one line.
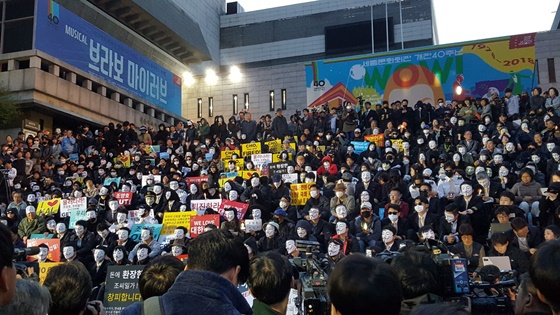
{"points": [[249, 149], [276, 158], [222, 181], [274, 146], [300, 193], [226, 154], [248, 174], [44, 270], [379, 140], [48, 207], [172, 220]]}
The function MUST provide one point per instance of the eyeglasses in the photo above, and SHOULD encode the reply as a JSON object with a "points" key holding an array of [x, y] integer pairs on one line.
{"points": [[392, 212]]}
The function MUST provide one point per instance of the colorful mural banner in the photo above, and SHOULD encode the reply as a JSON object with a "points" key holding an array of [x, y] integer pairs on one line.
{"points": [[456, 71]]}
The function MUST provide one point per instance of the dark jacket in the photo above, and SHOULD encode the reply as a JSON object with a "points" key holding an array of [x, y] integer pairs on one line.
{"points": [[534, 237], [518, 260], [279, 127], [473, 261]]}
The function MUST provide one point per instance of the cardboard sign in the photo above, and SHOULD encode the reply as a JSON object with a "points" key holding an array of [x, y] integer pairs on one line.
{"points": [[397, 144], [290, 178], [125, 160], [240, 206], [157, 179], [300, 193], [248, 174], [226, 154], [379, 140], [201, 205], [253, 225], [121, 289], [137, 230], [360, 147], [53, 244], [196, 180], [76, 216], [124, 198], [44, 270], [261, 160], [172, 220], [274, 146], [248, 149], [109, 180], [199, 222], [40, 236], [48, 207], [276, 157], [69, 205], [278, 168]]}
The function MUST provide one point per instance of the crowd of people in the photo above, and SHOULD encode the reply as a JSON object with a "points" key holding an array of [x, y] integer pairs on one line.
{"points": [[449, 175]]}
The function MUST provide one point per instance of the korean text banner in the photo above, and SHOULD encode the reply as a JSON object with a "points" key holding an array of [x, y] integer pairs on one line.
{"points": [[455, 71], [64, 35]]}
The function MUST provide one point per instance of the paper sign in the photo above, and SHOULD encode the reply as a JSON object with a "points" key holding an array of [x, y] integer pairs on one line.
{"points": [[200, 206], [278, 168], [261, 160], [172, 220], [44, 270], [137, 230], [379, 140], [121, 289], [199, 222], [248, 149], [125, 160], [124, 198], [222, 181], [76, 216], [226, 154], [276, 157], [360, 147], [40, 236], [274, 146], [248, 174], [109, 180], [157, 179], [253, 225], [196, 180], [290, 178], [300, 193], [240, 206], [69, 205], [48, 207], [52, 243], [397, 144]]}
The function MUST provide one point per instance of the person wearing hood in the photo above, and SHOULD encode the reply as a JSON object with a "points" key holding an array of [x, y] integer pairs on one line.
{"points": [[304, 231], [327, 167], [272, 239], [279, 189]]}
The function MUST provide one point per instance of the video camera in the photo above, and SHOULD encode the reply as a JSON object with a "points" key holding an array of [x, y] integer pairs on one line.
{"points": [[315, 299]]}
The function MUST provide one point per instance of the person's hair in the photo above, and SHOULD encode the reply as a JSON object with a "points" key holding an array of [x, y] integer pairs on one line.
{"points": [[518, 223], [70, 287], [423, 200], [393, 206], [390, 228], [543, 270], [527, 171], [466, 229], [501, 210], [499, 238], [417, 272], [364, 285], [555, 229], [6, 248], [218, 251], [440, 309], [30, 298], [508, 194], [489, 273], [159, 275], [270, 277]]}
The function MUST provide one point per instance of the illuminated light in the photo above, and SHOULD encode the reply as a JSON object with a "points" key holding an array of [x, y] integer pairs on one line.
{"points": [[458, 90], [188, 78], [235, 74], [211, 77]]}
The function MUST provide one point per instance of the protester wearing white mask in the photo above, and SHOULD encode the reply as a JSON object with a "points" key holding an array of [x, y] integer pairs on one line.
{"points": [[147, 239]]}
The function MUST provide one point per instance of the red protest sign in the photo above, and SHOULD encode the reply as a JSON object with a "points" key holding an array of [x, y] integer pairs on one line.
{"points": [[199, 222], [196, 180], [52, 243], [124, 198], [240, 206]]}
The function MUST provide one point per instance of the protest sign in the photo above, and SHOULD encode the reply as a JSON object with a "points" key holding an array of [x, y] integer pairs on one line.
{"points": [[253, 225], [248, 149], [137, 230], [201, 205], [278, 168], [222, 181], [76, 216], [274, 146], [121, 289], [172, 220], [227, 154], [40, 236], [124, 198], [164, 155], [397, 144], [244, 290], [240, 206], [157, 179], [290, 178], [360, 146], [69, 205], [48, 207], [133, 214], [261, 160], [196, 180], [199, 222], [379, 140], [248, 174], [44, 270], [276, 157], [300, 193], [124, 159], [208, 156], [52, 243], [109, 180]]}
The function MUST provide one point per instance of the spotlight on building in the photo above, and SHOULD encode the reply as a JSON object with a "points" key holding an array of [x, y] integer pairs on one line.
{"points": [[211, 77], [235, 74], [188, 78]]}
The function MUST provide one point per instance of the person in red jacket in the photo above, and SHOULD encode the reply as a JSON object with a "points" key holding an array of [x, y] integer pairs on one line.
{"points": [[327, 167]]}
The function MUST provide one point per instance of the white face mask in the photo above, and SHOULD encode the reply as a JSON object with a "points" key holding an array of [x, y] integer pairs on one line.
{"points": [[157, 190], [167, 195], [227, 187], [233, 195], [429, 235], [556, 156], [449, 218], [426, 131], [313, 214], [364, 197], [103, 191], [98, 255], [333, 249], [256, 213], [419, 208], [550, 146], [387, 236], [456, 158], [51, 225], [179, 234], [498, 159], [535, 158], [406, 145], [509, 146], [121, 217], [60, 228], [269, 231], [145, 235], [230, 216], [43, 252], [122, 234], [503, 172], [420, 141], [340, 228], [255, 182], [341, 212], [339, 194], [290, 246], [314, 193], [176, 251], [301, 232], [466, 190], [366, 177], [113, 205], [142, 253], [283, 204], [393, 217], [79, 230], [30, 198], [462, 150], [91, 215], [68, 252], [432, 144], [326, 165], [421, 157], [118, 255]]}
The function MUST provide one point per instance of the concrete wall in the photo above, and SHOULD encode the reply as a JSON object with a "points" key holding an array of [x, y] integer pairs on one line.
{"points": [[547, 47]]}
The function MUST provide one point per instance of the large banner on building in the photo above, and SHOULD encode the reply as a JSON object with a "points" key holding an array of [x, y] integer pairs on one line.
{"points": [[457, 71], [62, 34]]}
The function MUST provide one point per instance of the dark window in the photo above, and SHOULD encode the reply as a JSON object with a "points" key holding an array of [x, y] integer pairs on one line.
{"points": [[17, 9], [18, 35], [551, 70], [356, 38]]}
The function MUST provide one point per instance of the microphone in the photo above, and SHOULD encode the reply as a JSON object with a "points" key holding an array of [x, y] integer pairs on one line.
{"points": [[29, 251]]}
